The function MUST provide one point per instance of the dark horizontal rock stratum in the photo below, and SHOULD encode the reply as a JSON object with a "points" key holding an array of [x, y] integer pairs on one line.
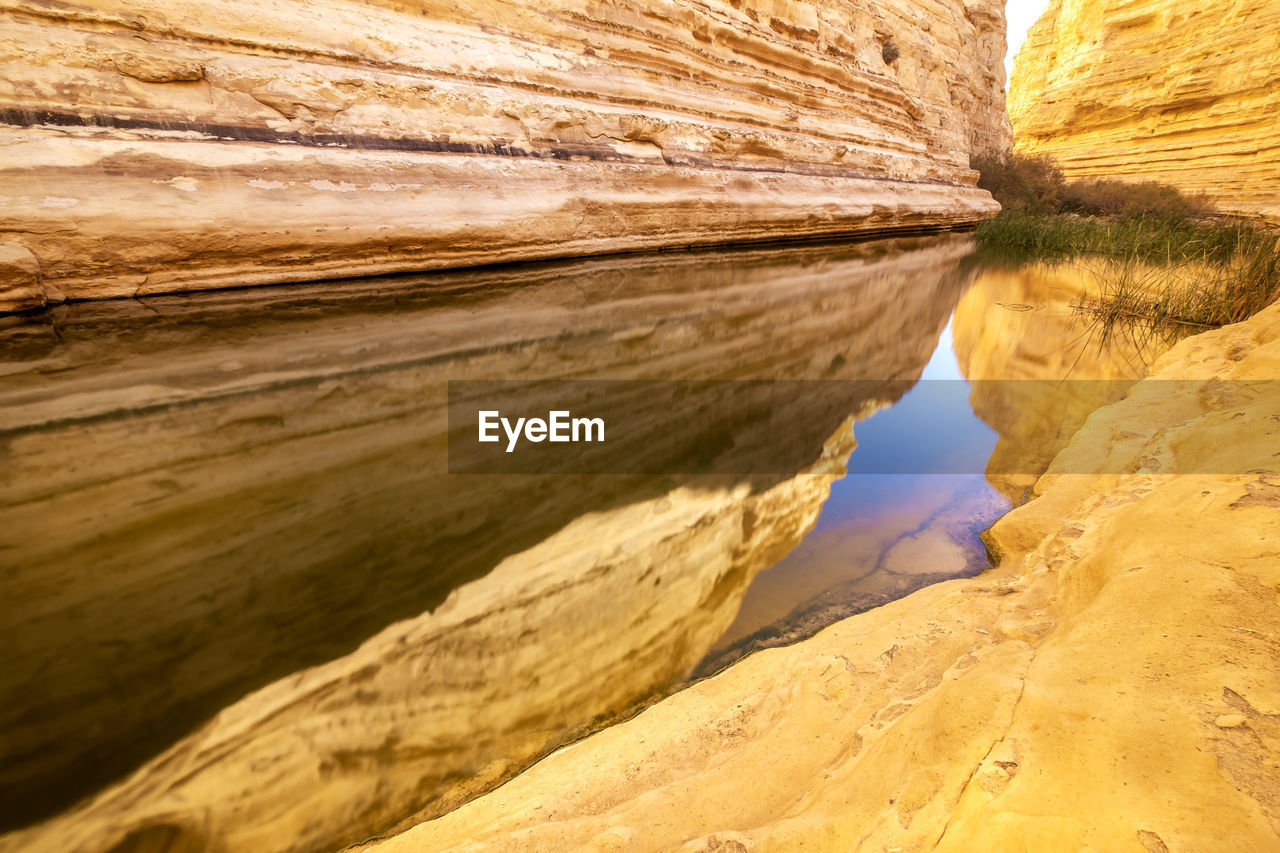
{"points": [[176, 147]]}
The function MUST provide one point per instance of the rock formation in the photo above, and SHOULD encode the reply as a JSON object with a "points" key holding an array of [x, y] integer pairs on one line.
{"points": [[1111, 685], [1187, 93], [168, 148], [231, 542]]}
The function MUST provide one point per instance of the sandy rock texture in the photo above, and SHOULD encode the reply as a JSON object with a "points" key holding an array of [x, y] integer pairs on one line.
{"points": [[20, 286], [250, 609], [1184, 92], [168, 148], [1110, 686]]}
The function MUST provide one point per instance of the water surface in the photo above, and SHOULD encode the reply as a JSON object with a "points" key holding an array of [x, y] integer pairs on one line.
{"points": [[248, 605]]}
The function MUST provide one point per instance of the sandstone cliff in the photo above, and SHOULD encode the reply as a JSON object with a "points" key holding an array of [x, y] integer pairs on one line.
{"points": [[1111, 685], [168, 148], [1181, 91]]}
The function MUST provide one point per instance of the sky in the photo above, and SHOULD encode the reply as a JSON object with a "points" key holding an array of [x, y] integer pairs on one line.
{"points": [[1020, 14]]}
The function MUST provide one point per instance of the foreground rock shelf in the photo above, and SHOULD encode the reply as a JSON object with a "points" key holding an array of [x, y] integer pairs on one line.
{"points": [[1111, 685], [1186, 93], [173, 148]]}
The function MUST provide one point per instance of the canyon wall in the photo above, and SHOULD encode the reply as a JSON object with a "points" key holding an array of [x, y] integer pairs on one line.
{"points": [[1186, 92], [169, 148]]}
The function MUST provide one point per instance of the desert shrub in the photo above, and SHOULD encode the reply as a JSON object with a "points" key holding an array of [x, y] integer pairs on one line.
{"points": [[889, 52], [1097, 197], [1022, 183], [1033, 183]]}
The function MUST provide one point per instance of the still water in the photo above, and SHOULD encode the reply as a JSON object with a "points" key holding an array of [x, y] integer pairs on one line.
{"points": [[246, 605], [881, 535]]}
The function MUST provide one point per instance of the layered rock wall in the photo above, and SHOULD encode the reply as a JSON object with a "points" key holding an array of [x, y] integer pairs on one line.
{"points": [[1186, 92], [173, 148]]}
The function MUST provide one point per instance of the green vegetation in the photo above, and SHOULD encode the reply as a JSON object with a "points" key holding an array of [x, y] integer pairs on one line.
{"points": [[1022, 236], [1169, 261]]}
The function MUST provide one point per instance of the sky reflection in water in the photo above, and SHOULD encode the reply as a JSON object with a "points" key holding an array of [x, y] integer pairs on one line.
{"points": [[886, 529]]}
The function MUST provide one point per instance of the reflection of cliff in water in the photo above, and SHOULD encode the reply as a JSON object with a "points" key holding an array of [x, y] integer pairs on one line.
{"points": [[1033, 371], [1018, 324], [209, 495]]}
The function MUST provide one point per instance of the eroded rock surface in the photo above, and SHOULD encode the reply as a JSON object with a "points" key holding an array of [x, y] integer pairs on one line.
{"points": [[1187, 93], [1111, 685], [169, 148], [20, 287]]}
